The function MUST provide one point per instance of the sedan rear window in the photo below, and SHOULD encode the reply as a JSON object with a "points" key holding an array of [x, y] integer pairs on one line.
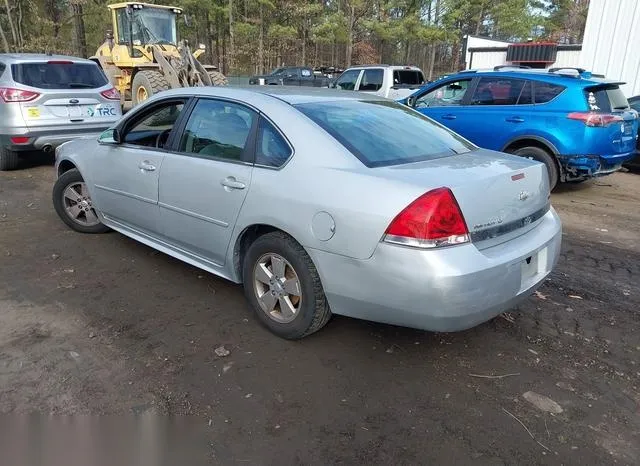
{"points": [[381, 133], [63, 75]]}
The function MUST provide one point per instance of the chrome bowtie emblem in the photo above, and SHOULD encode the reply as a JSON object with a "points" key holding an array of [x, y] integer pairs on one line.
{"points": [[523, 196]]}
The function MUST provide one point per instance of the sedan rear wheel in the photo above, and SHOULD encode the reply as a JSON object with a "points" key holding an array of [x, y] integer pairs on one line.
{"points": [[73, 204], [283, 287]]}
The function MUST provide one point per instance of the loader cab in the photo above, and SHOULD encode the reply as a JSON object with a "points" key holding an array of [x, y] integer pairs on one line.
{"points": [[138, 24]]}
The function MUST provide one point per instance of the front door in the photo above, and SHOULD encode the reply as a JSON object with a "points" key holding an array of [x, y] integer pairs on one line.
{"points": [[125, 176], [203, 184], [444, 104]]}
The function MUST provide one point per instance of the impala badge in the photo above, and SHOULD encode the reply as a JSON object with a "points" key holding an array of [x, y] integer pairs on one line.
{"points": [[523, 195]]}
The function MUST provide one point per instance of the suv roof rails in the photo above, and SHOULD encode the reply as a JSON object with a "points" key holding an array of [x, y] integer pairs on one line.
{"points": [[517, 67], [581, 72], [561, 68]]}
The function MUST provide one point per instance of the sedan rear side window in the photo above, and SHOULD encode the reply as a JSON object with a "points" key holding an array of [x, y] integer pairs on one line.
{"points": [[381, 133], [546, 92], [62, 75], [271, 149]]}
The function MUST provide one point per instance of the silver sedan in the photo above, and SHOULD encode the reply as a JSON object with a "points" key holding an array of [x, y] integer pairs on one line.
{"points": [[319, 203]]}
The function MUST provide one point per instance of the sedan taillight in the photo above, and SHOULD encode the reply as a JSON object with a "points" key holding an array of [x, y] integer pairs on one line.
{"points": [[111, 94], [433, 220], [9, 95]]}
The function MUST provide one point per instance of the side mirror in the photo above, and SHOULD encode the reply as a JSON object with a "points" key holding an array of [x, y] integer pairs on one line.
{"points": [[411, 101], [110, 137]]}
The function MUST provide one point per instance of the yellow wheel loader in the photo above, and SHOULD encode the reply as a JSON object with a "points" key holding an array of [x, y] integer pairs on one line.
{"points": [[142, 56]]}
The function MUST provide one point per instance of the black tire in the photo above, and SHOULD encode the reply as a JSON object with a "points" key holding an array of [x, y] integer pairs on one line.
{"points": [[62, 183], [151, 81], [8, 159], [217, 78], [541, 155], [314, 312]]}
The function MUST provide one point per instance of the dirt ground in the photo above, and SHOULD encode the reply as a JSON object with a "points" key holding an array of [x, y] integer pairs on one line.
{"points": [[101, 324]]}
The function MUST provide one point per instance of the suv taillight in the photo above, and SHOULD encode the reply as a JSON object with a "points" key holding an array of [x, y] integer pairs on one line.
{"points": [[17, 95], [433, 220], [111, 94], [595, 119]]}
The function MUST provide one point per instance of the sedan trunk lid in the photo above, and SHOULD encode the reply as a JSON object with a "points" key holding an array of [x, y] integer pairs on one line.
{"points": [[501, 196]]}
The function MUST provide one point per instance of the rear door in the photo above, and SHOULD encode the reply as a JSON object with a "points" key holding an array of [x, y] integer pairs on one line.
{"points": [[68, 94], [203, 183], [504, 103], [444, 103]]}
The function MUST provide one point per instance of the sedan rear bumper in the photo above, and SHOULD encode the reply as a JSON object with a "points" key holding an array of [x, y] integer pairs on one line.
{"points": [[45, 139], [443, 290]]}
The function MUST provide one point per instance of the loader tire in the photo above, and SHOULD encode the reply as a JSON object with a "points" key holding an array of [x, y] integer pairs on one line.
{"points": [[218, 79], [147, 83]]}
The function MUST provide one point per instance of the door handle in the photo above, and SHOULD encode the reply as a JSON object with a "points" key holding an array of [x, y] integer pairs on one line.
{"points": [[146, 166], [515, 119], [231, 183], [449, 117]]}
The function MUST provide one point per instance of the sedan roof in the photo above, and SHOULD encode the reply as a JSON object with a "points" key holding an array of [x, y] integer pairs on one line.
{"points": [[292, 95]]}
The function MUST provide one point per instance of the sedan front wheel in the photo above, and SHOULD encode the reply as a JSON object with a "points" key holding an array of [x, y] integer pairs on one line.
{"points": [[283, 287], [73, 204]]}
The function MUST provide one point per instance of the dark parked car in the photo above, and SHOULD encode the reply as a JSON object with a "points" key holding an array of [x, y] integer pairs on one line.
{"points": [[291, 76], [634, 102]]}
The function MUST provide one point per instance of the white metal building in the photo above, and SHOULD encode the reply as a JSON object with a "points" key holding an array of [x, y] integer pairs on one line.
{"points": [[481, 52], [611, 44]]}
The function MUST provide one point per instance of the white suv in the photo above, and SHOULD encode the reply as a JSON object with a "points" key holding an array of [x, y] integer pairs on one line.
{"points": [[393, 82]]}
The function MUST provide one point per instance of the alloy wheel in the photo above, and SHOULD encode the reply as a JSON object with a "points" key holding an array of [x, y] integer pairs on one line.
{"points": [[277, 288], [78, 206]]}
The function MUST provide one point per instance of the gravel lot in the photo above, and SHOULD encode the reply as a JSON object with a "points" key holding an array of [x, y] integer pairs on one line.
{"points": [[101, 324]]}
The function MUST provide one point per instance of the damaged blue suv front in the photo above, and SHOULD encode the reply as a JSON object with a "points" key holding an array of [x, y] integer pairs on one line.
{"points": [[578, 125]]}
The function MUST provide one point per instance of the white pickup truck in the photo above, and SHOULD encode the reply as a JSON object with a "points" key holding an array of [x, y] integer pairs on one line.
{"points": [[393, 82]]}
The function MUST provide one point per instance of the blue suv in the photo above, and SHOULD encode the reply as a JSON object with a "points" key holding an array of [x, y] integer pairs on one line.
{"points": [[580, 126]]}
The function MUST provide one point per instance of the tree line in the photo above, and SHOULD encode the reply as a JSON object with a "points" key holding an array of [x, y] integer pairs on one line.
{"points": [[253, 36]]}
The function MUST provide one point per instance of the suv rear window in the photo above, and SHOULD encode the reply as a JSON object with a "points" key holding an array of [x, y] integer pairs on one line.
{"points": [[407, 77], [381, 133], [59, 75], [606, 98]]}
